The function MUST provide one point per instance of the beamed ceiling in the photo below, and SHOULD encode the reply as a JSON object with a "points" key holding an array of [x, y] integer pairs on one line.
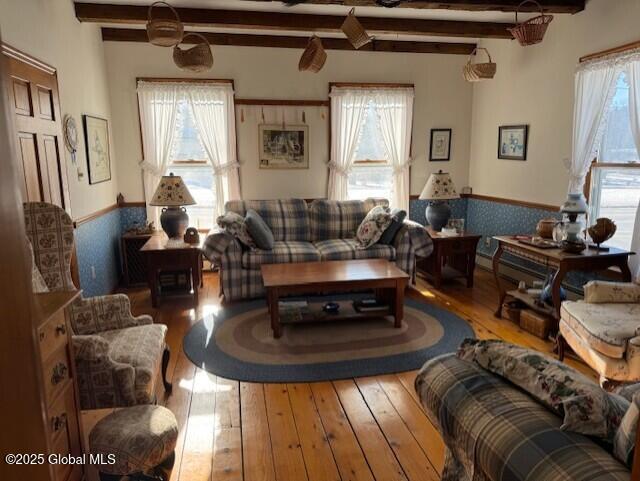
{"points": [[416, 26]]}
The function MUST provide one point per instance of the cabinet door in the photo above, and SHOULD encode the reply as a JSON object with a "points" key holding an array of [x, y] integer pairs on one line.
{"points": [[65, 433]]}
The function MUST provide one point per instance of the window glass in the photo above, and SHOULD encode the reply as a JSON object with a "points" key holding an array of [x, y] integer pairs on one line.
{"points": [[370, 146], [617, 143], [186, 142], [370, 180]]}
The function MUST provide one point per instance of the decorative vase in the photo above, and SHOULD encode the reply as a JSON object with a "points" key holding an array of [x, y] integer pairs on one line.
{"points": [[545, 228], [438, 214], [174, 221]]}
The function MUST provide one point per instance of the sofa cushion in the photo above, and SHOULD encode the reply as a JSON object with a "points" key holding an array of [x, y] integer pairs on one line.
{"points": [[606, 327], [397, 218], [140, 347], [281, 253], [288, 219], [259, 230], [372, 226], [494, 431], [345, 249], [586, 407], [332, 219]]}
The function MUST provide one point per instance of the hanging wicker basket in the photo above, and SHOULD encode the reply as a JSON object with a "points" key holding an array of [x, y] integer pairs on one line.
{"points": [[164, 32], [475, 72], [313, 57], [531, 31], [195, 59], [355, 32]]}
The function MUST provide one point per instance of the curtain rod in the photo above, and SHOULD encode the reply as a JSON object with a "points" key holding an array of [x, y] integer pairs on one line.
{"points": [[604, 53]]}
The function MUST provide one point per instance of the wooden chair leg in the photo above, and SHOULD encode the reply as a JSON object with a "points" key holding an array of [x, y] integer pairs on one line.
{"points": [[165, 363], [560, 344]]}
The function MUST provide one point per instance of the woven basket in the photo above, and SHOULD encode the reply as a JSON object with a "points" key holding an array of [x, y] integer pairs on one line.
{"points": [[197, 58], [355, 32], [313, 57], [531, 31], [535, 323], [164, 32], [475, 72]]}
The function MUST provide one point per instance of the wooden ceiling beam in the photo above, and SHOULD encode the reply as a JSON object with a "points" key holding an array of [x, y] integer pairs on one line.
{"points": [[550, 6], [199, 17], [279, 41]]}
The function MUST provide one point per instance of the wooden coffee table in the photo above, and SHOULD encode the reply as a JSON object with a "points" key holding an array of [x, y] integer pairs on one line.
{"points": [[384, 277]]}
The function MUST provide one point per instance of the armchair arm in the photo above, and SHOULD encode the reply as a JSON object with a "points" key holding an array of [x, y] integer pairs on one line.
{"points": [[104, 313], [102, 382], [416, 235], [596, 292], [219, 242]]}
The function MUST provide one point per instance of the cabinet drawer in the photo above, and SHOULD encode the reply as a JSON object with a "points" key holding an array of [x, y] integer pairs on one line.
{"points": [[52, 335], [64, 429], [56, 373]]}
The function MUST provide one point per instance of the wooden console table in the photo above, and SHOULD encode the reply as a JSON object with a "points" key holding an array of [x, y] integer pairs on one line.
{"points": [[588, 260], [452, 257]]}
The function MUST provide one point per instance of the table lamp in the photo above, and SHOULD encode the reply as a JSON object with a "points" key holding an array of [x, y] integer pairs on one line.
{"points": [[438, 189], [575, 209], [172, 194]]}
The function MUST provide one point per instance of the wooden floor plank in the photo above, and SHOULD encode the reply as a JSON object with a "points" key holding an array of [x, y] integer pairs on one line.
{"points": [[227, 455], [287, 452], [380, 457], [257, 455], [414, 462]]}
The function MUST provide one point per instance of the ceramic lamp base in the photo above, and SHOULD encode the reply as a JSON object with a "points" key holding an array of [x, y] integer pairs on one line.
{"points": [[438, 214], [174, 221]]}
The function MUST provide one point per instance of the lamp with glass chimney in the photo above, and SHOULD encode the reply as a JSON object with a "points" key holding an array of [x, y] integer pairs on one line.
{"points": [[172, 194], [438, 190], [574, 212]]}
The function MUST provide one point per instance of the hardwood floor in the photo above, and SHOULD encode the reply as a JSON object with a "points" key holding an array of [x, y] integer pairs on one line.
{"points": [[361, 429]]}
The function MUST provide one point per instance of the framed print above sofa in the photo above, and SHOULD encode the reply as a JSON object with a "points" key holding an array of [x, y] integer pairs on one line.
{"points": [[284, 146], [512, 142]]}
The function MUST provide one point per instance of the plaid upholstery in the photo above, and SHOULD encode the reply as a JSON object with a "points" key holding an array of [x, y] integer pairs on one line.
{"points": [[288, 219], [495, 432], [345, 249], [281, 253], [333, 219], [412, 240]]}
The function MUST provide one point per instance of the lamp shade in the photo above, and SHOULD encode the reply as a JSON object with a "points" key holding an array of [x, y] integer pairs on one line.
{"points": [[575, 204], [439, 186], [172, 192]]}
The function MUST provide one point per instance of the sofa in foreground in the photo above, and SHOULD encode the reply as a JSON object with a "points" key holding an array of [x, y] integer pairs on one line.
{"points": [[494, 430], [323, 230]]}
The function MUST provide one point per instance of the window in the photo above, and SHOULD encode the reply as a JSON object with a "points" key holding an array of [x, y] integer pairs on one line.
{"points": [[371, 176], [615, 177], [189, 160]]}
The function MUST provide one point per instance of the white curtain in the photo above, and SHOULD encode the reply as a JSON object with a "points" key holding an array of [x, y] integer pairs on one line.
{"points": [[594, 87], [214, 114], [395, 113], [348, 108], [633, 76], [158, 103]]}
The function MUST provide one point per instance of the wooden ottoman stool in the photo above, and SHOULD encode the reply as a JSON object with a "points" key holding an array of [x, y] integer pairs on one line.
{"points": [[137, 442]]}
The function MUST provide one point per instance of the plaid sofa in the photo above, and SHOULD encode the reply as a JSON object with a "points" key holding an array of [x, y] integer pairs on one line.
{"points": [[495, 432], [324, 230]]}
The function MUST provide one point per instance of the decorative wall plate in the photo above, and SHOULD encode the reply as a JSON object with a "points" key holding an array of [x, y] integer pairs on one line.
{"points": [[70, 131]]}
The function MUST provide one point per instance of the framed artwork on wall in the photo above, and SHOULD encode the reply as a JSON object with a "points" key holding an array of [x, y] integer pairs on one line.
{"points": [[440, 146], [512, 142], [96, 135], [283, 146]]}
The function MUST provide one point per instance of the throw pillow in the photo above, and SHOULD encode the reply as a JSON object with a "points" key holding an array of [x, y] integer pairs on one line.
{"points": [[627, 391], [586, 408], [372, 227], [37, 281], [397, 218], [259, 230], [625, 439], [234, 224], [604, 292]]}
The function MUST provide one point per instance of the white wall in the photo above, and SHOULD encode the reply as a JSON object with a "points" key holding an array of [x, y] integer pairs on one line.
{"points": [[442, 99], [49, 31], [534, 85]]}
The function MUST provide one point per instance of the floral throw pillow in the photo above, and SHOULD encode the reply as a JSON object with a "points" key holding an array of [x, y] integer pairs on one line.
{"points": [[586, 408], [625, 438], [372, 227], [234, 224]]}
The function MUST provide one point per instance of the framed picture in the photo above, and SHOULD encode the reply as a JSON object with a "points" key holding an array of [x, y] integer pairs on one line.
{"points": [[440, 147], [96, 134], [512, 142], [283, 147]]}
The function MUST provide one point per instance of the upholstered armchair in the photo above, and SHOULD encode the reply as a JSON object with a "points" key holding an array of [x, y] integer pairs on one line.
{"points": [[604, 330], [118, 357]]}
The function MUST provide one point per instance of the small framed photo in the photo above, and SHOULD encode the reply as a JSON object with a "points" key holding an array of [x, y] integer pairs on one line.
{"points": [[440, 146], [512, 142], [96, 134]]}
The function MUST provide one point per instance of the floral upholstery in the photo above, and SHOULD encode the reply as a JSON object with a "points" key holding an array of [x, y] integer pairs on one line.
{"points": [[234, 225], [139, 438], [586, 408], [372, 226], [496, 432], [610, 292], [106, 376]]}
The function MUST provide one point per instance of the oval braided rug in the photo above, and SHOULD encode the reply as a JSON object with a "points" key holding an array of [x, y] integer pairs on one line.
{"points": [[237, 343]]}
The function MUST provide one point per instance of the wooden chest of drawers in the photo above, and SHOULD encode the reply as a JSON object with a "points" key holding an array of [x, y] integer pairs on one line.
{"points": [[58, 376]]}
